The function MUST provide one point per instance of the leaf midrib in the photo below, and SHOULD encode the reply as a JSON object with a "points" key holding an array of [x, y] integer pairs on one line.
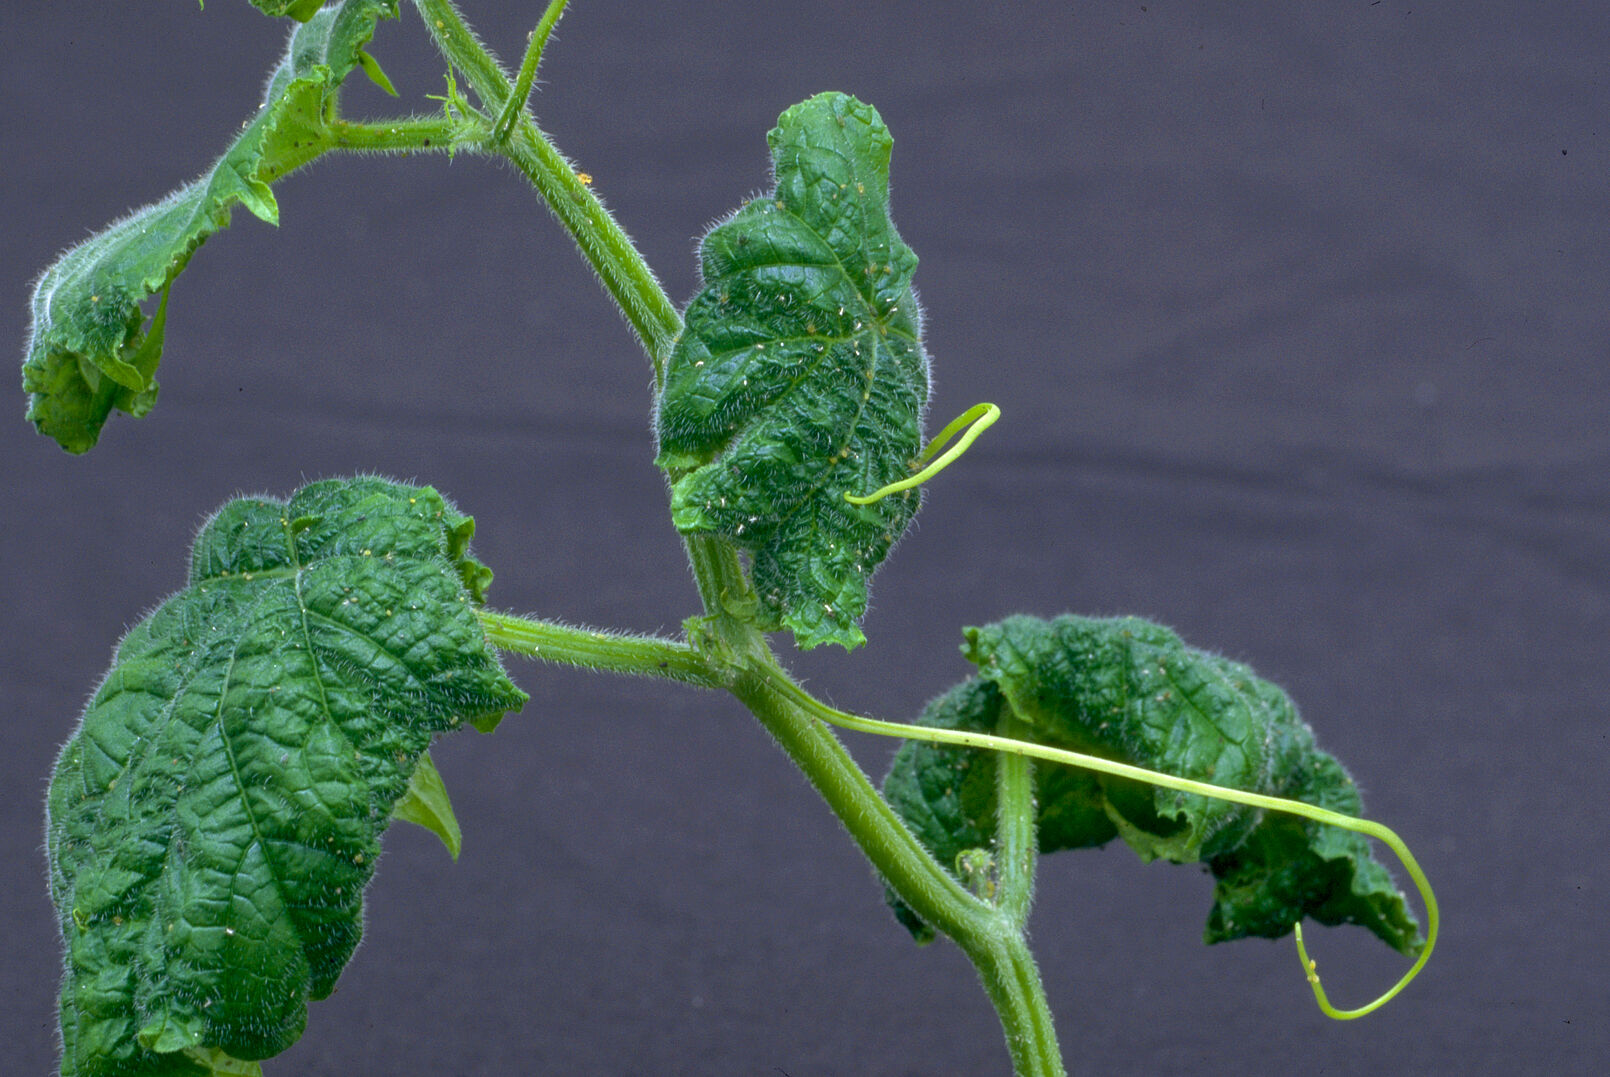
{"points": [[876, 327]]}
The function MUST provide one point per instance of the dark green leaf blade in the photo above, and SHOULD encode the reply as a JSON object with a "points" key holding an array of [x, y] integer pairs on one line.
{"points": [[90, 347], [216, 816], [800, 376], [1132, 691]]}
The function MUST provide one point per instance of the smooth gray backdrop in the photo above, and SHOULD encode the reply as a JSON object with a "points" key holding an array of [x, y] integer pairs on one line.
{"points": [[1298, 317]]}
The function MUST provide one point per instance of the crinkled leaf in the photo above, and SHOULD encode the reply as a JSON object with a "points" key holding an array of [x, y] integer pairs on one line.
{"points": [[91, 348], [800, 375], [1129, 690], [216, 816]]}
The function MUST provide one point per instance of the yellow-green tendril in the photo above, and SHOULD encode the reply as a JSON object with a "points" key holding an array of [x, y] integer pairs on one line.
{"points": [[977, 419], [1366, 827], [527, 75]]}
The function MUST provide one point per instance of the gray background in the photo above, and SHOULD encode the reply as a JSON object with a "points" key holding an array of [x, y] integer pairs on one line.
{"points": [[1297, 313]]}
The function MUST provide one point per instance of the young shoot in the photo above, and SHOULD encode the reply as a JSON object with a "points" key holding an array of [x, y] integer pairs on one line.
{"points": [[208, 891]]}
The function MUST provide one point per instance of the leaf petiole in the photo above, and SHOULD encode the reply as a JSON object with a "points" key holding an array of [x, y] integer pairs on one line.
{"points": [[410, 134], [649, 656], [607, 248], [1016, 833]]}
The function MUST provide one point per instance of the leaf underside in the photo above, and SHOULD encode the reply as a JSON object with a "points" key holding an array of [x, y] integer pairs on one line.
{"points": [[91, 347], [216, 816], [1132, 691], [425, 803], [800, 376], [300, 10]]}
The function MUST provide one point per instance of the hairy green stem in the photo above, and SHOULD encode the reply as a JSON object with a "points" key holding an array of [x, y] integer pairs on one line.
{"points": [[732, 650], [527, 76], [607, 249], [603, 243], [412, 134], [728, 599], [931, 891], [649, 656], [1016, 830], [1012, 981], [992, 937]]}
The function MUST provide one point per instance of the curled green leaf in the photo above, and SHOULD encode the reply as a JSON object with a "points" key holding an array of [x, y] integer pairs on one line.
{"points": [[1131, 691], [425, 803], [216, 816], [800, 376], [91, 348]]}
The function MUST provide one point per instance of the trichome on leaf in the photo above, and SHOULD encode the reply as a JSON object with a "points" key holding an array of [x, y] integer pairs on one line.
{"points": [[216, 816], [91, 348], [1132, 691], [800, 376]]}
